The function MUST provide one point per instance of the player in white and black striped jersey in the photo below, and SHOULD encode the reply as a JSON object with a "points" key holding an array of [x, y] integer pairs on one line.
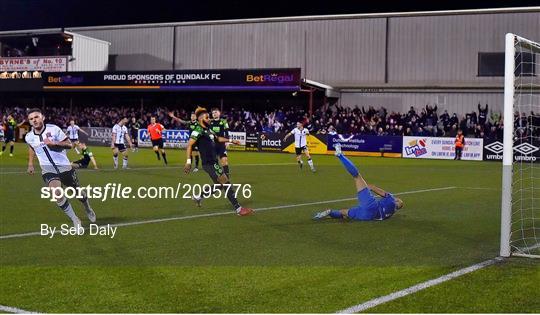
{"points": [[300, 144], [48, 143], [118, 144], [73, 133]]}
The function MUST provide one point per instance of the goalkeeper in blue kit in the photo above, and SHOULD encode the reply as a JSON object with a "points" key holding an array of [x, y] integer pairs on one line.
{"points": [[369, 207]]}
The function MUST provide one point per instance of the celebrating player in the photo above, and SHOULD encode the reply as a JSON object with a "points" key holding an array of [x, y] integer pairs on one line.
{"points": [[118, 144], [88, 157], [73, 132], [205, 139], [156, 136], [369, 208], [192, 125], [49, 143], [9, 135], [300, 144], [221, 128]]}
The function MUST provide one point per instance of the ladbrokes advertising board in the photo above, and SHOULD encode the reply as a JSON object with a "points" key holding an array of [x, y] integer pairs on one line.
{"points": [[441, 148]]}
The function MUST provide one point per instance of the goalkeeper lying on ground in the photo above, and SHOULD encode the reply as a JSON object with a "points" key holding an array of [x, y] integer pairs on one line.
{"points": [[370, 208]]}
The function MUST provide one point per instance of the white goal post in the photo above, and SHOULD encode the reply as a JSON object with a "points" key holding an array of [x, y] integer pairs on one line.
{"points": [[520, 205]]}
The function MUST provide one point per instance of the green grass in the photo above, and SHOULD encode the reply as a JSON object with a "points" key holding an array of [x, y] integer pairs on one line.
{"points": [[509, 287], [277, 260]]}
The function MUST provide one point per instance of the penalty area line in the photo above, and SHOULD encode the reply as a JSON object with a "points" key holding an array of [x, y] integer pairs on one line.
{"points": [[14, 310], [214, 214], [418, 287]]}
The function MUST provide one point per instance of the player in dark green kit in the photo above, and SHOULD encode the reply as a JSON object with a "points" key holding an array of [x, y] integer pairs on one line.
{"points": [[221, 128], [203, 136], [133, 126], [87, 157], [9, 134], [191, 125]]}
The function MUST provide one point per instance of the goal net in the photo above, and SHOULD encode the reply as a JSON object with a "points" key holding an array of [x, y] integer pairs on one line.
{"points": [[520, 223]]}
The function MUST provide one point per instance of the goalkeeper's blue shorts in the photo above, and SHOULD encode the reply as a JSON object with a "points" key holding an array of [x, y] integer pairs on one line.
{"points": [[368, 208]]}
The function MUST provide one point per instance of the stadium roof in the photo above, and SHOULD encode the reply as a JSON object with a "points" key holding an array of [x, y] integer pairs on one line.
{"points": [[286, 19]]}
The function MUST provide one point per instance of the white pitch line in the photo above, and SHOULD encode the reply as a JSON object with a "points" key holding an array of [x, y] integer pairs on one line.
{"points": [[21, 311], [419, 287], [479, 188], [149, 168], [9, 309], [195, 216]]}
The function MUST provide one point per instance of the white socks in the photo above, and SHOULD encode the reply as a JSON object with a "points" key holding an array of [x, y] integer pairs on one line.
{"points": [[124, 161], [310, 162], [68, 209]]}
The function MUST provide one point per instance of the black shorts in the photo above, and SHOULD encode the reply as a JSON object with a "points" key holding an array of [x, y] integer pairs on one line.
{"points": [[157, 143], [121, 147], [68, 178], [221, 150], [9, 137], [74, 139], [195, 148], [214, 170], [83, 163], [300, 150]]}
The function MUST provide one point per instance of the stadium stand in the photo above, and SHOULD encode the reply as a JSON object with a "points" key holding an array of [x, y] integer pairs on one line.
{"points": [[425, 121]]}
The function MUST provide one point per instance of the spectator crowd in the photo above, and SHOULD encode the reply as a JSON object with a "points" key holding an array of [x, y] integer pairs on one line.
{"points": [[426, 121]]}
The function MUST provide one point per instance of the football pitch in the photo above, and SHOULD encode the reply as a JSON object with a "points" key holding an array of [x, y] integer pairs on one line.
{"points": [[169, 256]]}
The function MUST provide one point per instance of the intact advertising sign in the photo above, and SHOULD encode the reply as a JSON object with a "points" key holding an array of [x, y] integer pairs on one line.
{"points": [[526, 151], [441, 148], [240, 136], [172, 138], [182, 80], [362, 145], [46, 64], [271, 142]]}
